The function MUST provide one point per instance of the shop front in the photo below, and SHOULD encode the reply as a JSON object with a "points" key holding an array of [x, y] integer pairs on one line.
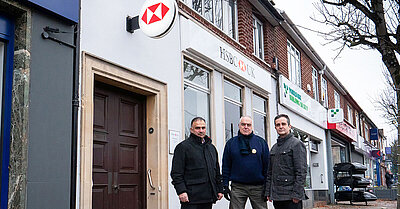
{"points": [[156, 86], [308, 120], [221, 84], [340, 136]]}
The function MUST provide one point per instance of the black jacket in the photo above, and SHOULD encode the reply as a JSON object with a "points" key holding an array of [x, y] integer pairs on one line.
{"points": [[196, 171], [288, 170]]}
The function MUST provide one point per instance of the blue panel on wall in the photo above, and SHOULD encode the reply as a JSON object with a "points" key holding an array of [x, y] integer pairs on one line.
{"points": [[373, 134], [66, 8]]}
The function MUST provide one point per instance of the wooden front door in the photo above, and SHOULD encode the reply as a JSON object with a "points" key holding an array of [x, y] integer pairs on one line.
{"points": [[118, 149]]}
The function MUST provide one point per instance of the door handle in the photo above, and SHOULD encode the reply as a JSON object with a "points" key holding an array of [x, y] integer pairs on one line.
{"points": [[116, 187], [150, 180]]}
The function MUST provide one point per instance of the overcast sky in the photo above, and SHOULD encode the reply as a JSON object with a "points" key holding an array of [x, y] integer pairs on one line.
{"points": [[360, 71]]}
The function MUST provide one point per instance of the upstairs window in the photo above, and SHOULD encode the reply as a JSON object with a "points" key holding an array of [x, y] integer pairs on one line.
{"points": [[294, 64], [358, 123], [223, 14], [350, 114], [324, 92], [337, 99], [315, 83], [258, 38]]}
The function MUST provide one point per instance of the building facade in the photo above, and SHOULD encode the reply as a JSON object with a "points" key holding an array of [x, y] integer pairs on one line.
{"points": [[93, 109], [38, 52]]}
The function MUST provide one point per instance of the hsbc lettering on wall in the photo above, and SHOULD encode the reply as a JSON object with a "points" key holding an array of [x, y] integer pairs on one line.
{"points": [[233, 60], [224, 57]]}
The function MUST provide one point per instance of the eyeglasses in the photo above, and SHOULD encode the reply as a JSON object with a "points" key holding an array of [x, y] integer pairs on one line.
{"points": [[245, 124]]}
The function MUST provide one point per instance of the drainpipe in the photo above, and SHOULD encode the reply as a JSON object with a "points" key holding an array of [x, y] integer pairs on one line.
{"points": [[75, 109], [277, 73]]}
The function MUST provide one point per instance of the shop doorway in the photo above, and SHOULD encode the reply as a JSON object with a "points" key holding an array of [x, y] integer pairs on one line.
{"points": [[102, 83], [7, 28], [119, 154]]}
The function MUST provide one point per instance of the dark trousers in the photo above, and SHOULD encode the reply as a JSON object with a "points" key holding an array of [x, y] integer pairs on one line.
{"points": [[288, 204], [196, 206]]}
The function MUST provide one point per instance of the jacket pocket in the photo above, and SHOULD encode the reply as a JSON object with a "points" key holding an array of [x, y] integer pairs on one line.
{"points": [[287, 158], [286, 181], [196, 181], [196, 173]]}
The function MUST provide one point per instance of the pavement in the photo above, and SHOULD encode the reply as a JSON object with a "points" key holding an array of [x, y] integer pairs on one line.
{"points": [[379, 204]]}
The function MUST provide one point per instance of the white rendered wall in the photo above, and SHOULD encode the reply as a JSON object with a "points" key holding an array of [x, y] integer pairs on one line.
{"points": [[320, 158], [103, 34]]}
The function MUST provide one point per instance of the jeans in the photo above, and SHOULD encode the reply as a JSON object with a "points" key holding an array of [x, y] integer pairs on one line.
{"points": [[240, 193], [288, 204]]}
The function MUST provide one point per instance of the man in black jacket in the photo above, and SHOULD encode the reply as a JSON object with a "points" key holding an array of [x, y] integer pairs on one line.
{"points": [[195, 170], [288, 168]]}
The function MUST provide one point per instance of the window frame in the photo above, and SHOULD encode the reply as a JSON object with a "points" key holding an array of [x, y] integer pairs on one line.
{"points": [[263, 113], [240, 103], [324, 92], [315, 84], [337, 99], [258, 42], [294, 55], [350, 115], [227, 15], [196, 87]]}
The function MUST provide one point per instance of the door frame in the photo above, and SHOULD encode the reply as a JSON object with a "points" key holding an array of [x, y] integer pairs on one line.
{"points": [[95, 68], [7, 36]]}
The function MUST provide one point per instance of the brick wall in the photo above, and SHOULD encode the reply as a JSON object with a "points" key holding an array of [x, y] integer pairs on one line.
{"points": [[281, 50]]}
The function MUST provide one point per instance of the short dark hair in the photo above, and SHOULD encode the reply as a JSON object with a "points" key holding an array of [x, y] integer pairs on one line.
{"points": [[282, 116], [196, 119]]}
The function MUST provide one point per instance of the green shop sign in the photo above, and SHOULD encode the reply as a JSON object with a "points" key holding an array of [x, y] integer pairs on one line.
{"points": [[294, 97]]}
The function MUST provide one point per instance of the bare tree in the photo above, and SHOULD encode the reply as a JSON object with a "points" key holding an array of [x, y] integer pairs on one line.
{"points": [[386, 102], [366, 24]]}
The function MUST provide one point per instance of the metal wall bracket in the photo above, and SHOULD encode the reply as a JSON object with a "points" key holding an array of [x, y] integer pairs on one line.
{"points": [[132, 23], [46, 34]]}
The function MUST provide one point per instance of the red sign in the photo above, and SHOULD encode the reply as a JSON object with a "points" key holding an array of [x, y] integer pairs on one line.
{"points": [[157, 17], [344, 129], [376, 153], [150, 15]]}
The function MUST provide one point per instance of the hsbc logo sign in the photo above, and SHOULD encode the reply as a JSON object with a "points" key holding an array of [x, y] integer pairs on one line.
{"points": [[154, 13], [157, 17]]}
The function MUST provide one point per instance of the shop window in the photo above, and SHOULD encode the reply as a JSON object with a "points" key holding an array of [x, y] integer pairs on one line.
{"points": [[260, 116], [324, 92], [294, 64], [233, 108], [196, 95], [315, 83], [258, 39], [223, 14]]}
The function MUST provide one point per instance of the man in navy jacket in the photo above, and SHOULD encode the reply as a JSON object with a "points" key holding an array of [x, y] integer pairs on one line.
{"points": [[245, 165]]}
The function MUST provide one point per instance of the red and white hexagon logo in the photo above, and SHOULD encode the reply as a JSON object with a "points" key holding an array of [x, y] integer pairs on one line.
{"points": [[157, 17]]}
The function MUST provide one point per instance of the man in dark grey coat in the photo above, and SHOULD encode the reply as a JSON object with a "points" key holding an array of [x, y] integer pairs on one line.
{"points": [[195, 170], [288, 168]]}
